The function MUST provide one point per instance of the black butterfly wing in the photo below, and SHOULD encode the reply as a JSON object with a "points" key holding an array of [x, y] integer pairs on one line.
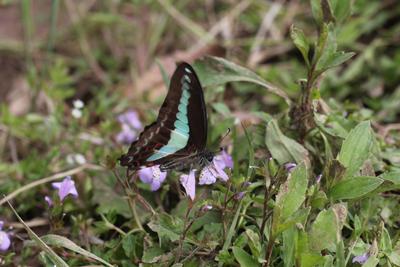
{"points": [[181, 126]]}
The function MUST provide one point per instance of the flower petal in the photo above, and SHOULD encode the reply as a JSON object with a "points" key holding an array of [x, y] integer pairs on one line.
{"points": [[361, 258], [48, 200], [220, 172], [207, 176], [290, 166], [224, 160], [127, 135], [130, 118], [189, 183], [146, 175], [5, 241], [153, 176], [65, 188]]}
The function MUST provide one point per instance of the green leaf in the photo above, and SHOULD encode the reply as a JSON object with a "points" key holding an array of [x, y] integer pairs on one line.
{"points": [[299, 216], [167, 226], [244, 259], [340, 254], [385, 242], [214, 71], [311, 259], [301, 42], [291, 194], [152, 255], [356, 148], [163, 73], [394, 258], [341, 9], [60, 241], [327, 55], [371, 262], [49, 252], [354, 187], [393, 177], [283, 148], [322, 42], [133, 245], [289, 238], [254, 242], [222, 109], [324, 231], [317, 11]]}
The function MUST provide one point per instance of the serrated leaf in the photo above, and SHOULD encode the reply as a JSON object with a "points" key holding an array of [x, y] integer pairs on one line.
{"points": [[152, 255], [166, 226], [354, 187], [283, 148], [356, 148], [133, 245], [244, 258], [301, 42], [214, 71], [292, 193], [60, 241]]}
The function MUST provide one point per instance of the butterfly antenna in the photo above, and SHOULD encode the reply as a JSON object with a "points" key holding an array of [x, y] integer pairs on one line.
{"points": [[222, 138]]}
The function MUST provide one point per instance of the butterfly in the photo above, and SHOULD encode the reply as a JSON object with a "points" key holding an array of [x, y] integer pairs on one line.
{"points": [[177, 139]]}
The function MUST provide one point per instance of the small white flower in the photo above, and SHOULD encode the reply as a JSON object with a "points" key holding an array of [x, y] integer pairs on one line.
{"points": [[80, 159], [78, 104], [76, 113]]}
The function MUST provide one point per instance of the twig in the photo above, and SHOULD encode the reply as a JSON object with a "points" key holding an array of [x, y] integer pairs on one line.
{"points": [[220, 25], [185, 230], [182, 20], [51, 178], [73, 12], [262, 31], [226, 200]]}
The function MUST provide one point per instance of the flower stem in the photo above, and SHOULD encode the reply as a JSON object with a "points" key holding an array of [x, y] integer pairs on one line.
{"points": [[186, 227]]}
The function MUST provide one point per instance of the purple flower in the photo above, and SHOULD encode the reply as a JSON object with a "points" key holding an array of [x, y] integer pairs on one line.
{"points": [[210, 173], [65, 188], [206, 208], [153, 176], [290, 166], [130, 118], [318, 179], [5, 240], [361, 259], [224, 160], [130, 126], [48, 200], [189, 183], [239, 195]]}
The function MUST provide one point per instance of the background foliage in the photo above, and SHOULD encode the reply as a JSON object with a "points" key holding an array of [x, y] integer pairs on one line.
{"points": [[314, 83]]}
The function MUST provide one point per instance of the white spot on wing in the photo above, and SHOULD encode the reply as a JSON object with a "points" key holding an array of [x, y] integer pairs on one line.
{"points": [[187, 70]]}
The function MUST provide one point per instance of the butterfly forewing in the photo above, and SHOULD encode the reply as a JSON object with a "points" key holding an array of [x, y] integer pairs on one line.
{"points": [[181, 126]]}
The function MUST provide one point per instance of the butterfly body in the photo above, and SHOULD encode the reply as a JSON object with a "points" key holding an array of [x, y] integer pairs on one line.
{"points": [[177, 139]]}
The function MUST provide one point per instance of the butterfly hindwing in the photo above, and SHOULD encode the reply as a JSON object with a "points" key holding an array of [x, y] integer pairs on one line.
{"points": [[181, 126]]}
